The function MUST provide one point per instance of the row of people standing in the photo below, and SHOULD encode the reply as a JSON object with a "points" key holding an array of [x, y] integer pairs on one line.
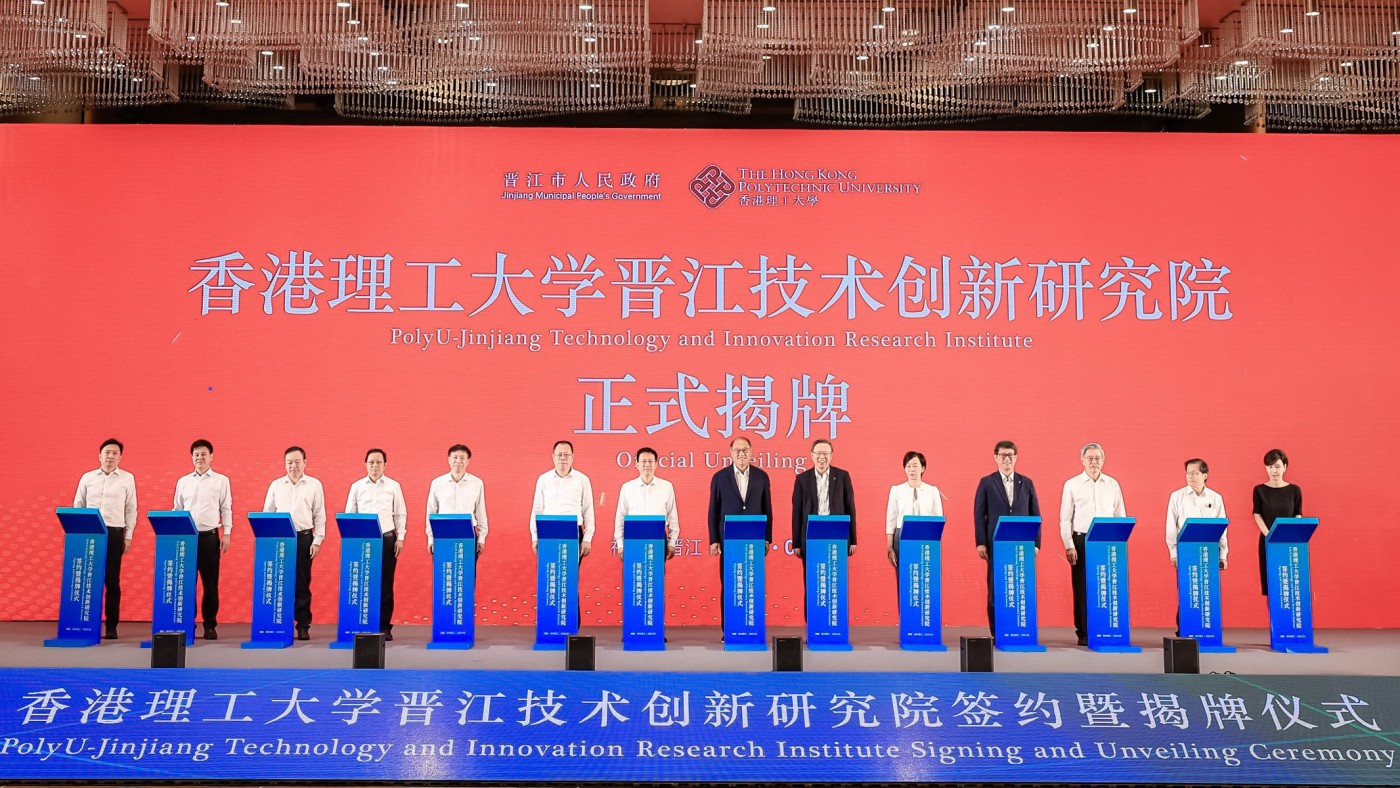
{"points": [[738, 489]]}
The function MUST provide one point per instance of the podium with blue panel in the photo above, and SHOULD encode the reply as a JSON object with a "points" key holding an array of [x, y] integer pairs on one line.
{"points": [[557, 582], [454, 581], [361, 574], [1013, 584], [176, 565], [920, 543], [1198, 583], [828, 607], [644, 583], [84, 571], [274, 579], [1290, 585], [742, 562], [1106, 573]]}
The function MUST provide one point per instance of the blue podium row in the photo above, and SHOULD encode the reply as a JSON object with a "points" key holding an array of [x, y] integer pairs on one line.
{"points": [[1013, 586]]}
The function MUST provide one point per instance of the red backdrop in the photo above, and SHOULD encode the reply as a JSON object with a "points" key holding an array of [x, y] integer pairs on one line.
{"points": [[109, 334]]}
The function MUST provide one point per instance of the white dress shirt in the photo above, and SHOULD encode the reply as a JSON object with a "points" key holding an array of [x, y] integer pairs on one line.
{"points": [[384, 498], [458, 496], [305, 501], [113, 494], [925, 500], [741, 480], [208, 498], [1184, 505], [657, 498], [1008, 483], [572, 494], [1083, 500], [824, 492]]}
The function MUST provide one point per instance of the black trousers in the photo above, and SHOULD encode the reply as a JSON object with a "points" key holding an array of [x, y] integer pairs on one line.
{"points": [[112, 581], [991, 597], [1078, 580], [388, 567], [303, 596], [207, 564]]}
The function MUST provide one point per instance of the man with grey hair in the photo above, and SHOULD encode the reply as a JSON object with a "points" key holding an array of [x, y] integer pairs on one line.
{"points": [[1090, 494]]}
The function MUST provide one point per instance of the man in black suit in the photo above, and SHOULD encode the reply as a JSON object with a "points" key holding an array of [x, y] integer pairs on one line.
{"points": [[741, 488], [825, 489], [1001, 494]]}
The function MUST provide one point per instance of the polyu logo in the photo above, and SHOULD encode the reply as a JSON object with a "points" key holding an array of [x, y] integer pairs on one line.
{"points": [[712, 186]]}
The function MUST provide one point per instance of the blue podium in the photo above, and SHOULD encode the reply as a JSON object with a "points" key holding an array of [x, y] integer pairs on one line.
{"points": [[454, 581], [84, 570], [1290, 586], [920, 541], [557, 583], [744, 554], [177, 553], [1109, 625], [644, 583], [828, 613], [1198, 583], [1013, 584], [361, 573], [274, 579]]}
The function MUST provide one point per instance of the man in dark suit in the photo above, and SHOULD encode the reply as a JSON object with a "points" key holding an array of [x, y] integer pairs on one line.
{"points": [[1001, 494], [824, 489], [741, 488]]}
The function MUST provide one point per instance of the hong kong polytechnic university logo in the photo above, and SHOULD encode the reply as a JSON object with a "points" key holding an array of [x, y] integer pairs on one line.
{"points": [[712, 186]]}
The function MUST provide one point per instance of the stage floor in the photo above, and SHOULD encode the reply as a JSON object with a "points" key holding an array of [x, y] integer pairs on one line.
{"points": [[1365, 652]]}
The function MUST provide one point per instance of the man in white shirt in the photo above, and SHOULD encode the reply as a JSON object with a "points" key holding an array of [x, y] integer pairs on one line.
{"points": [[112, 491], [1193, 501], [564, 490], [206, 495], [648, 495], [379, 495], [304, 499], [1090, 494], [458, 492]]}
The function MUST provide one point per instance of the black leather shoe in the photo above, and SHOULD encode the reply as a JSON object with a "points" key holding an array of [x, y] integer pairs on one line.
{"points": [[110, 633], [388, 636], [1083, 641], [211, 633], [303, 633]]}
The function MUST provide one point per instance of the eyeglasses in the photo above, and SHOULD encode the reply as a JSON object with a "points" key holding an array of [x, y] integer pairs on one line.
{"points": [[1011, 456], [821, 454]]}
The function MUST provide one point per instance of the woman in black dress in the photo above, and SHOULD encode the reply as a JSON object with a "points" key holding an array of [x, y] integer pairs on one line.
{"points": [[1274, 499]]}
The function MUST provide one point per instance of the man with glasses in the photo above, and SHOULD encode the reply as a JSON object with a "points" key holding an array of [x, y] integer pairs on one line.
{"points": [[821, 490], [304, 499], [381, 496], [742, 488], [1195, 500], [1003, 493], [1091, 494], [648, 495], [563, 490]]}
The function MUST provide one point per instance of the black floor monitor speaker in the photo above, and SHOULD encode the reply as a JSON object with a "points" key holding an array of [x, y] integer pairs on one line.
{"points": [[787, 654], [1181, 655], [580, 654], [369, 650], [168, 650], [976, 655]]}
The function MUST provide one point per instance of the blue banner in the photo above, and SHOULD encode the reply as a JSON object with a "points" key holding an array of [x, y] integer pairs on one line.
{"points": [[361, 574], [177, 550], [1013, 584], [643, 583], [557, 582], [84, 570], [828, 617], [920, 541], [1198, 584], [454, 581], [143, 726], [743, 561], [1106, 570], [274, 579], [1290, 586]]}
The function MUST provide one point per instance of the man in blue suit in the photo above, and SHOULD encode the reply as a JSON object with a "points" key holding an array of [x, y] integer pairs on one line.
{"points": [[1001, 494], [741, 488]]}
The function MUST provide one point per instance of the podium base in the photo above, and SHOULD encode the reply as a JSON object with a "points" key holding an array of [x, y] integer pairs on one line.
{"points": [[922, 646], [451, 645], [1293, 648], [1032, 648], [742, 646], [189, 641], [546, 645], [820, 646], [658, 644], [72, 642], [259, 644], [346, 645], [1116, 649], [1204, 649]]}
